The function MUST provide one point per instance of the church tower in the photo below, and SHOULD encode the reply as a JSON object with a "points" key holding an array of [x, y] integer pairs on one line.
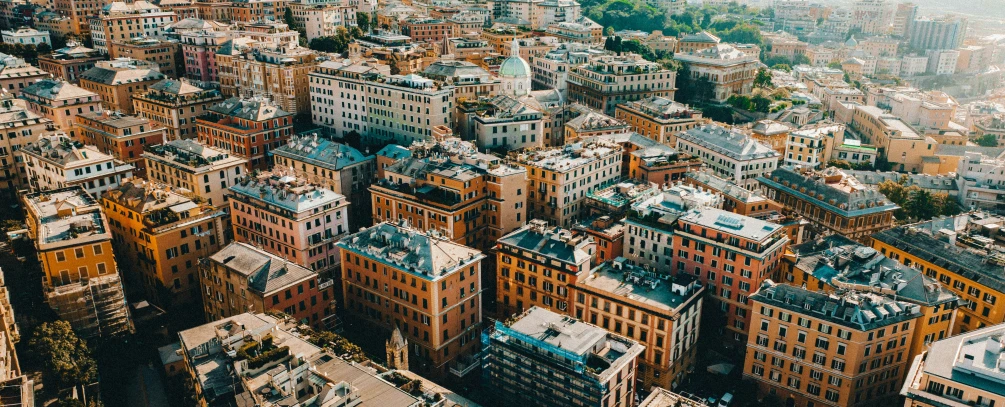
{"points": [[514, 73], [397, 351]]}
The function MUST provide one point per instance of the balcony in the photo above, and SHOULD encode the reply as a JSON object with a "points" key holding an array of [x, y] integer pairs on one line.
{"points": [[467, 364]]}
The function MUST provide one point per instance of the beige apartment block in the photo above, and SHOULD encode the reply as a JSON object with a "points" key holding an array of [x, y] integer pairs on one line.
{"points": [[175, 104], [189, 164]]}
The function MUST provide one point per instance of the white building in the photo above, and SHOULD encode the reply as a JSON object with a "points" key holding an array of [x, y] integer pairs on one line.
{"points": [[321, 20], [552, 70], [56, 161], [26, 36], [669, 7], [729, 153], [731, 71], [189, 164], [913, 66], [981, 180], [650, 244], [811, 146], [942, 62]]}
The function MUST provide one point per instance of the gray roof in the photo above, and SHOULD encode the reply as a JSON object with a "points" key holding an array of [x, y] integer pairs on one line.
{"points": [[250, 109], [394, 151], [176, 87], [844, 263], [969, 359], [951, 149], [422, 254], [56, 90], [729, 142], [942, 183], [266, 273], [738, 225], [322, 152], [923, 240], [373, 391], [109, 76], [846, 196], [287, 192], [552, 242], [855, 310]]}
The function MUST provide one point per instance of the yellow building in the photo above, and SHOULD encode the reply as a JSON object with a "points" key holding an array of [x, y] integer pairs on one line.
{"points": [[836, 263], [658, 118], [116, 81], [194, 166], [162, 233], [961, 253], [175, 104], [277, 71], [74, 245], [964, 370]]}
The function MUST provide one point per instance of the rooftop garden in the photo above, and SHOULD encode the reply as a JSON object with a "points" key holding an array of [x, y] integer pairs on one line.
{"points": [[259, 354]]}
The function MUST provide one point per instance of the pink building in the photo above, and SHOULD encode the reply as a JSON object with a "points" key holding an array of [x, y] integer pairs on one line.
{"points": [[199, 49], [290, 218]]}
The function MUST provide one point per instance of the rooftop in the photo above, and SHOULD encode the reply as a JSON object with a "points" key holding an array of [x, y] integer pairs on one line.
{"points": [[727, 141], [121, 71], [60, 150], [117, 120], [618, 279], [287, 192], [974, 359], [424, 255], [855, 310], [753, 229], [255, 109], [52, 89], [266, 273], [660, 107], [192, 153], [321, 151], [569, 157], [66, 216], [830, 188], [726, 187], [552, 242]]}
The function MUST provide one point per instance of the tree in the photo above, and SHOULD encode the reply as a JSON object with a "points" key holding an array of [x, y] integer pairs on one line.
{"points": [[363, 21], [987, 140], [609, 31], [66, 360], [393, 62], [288, 18], [760, 104], [834, 65], [69, 402], [763, 78]]}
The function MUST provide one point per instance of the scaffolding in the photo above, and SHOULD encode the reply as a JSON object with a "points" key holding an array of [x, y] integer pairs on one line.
{"points": [[93, 307]]}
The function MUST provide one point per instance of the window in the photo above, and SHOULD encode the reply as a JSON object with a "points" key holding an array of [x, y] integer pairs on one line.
{"points": [[813, 389], [832, 395]]}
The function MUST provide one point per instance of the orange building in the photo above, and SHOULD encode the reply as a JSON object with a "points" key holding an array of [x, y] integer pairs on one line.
{"points": [[70, 62], [423, 29], [116, 81], [80, 278], [811, 349], [162, 233], [166, 55], [429, 288], [121, 136], [735, 198], [247, 128], [60, 102], [659, 118], [609, 235]]}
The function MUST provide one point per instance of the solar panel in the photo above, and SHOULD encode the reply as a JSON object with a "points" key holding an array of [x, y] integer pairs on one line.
{"points": [[729, 221]]}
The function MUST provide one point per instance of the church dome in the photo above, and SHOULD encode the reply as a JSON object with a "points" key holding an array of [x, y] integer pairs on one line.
{"points": [[514, 66]]}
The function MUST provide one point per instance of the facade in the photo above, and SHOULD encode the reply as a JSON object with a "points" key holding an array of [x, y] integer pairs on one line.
{"points": [[57, 162], [730, 70], [743, 254], [449, 187], [16, 75], [199, 47], [321, 19], [536, 251], [814, 146], [338, 167], [729, 153], [289, 218], [61, 101], [162, 233], [120, 136], [26, 36], [190, 165], [832, 201], [175, 104], [561, 177], [442, 280], [79, 12], [735, 198], [772, 134], [245, 128], [666, 319], [942, 33], [544, 358], [119, 21], [69, 63], [651, 223], [23, 128], [944, 249], [242, 278], [501, 123], [81, 281], [789, 353], [605, 81], [276, 71], [658, 118], [116, 81], [961, 370]]}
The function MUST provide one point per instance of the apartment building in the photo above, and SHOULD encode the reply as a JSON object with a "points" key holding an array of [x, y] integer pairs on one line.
{"points": [[978, 179], [191, 165], [436, 293], [771, 133], [942, 375], [53, 22], [243, 278], [245, 128], [556, 256], [22, 128], [121, 136], [448, 186], [276, 71], [424, 29], [120, 21], [730, 70], [551, 70], [333, 82], [116, 81], [323, 19], [79, 12], [469, 80], [559, 178], [658, 118], [19, 389], [896, 140], [814, 146], [591, 123], [993, 124], [836, 264], [608, 80], [175, 104], [650, 226], [584, 31], [60, 102], [501, 123], [16, 75], [70, 62], [742, 252], [56, 161], [939, 33], [81, 281], [547, 358], [290, 218], [729, 153], [870, 336], [951, 250], [647, 160], [831, 201], [199, 45], [735, 198], [663, 315], [607, 232], [162, 233], [164, 54]]}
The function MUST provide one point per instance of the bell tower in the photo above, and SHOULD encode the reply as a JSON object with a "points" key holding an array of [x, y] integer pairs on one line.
{"points": [[397, 351]]}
